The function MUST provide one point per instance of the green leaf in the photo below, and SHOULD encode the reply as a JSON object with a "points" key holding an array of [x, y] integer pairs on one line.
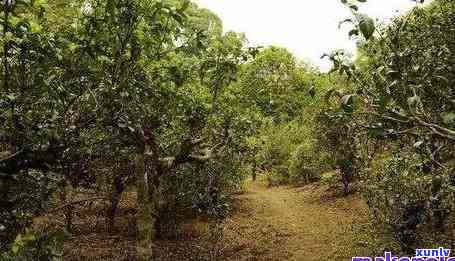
{"points": [[347, 99], [353, 32], [312, 92], [39, 3], [72, 47], [14, 20], [366, 26], [25, 3], [35, 27], [29, 237], [11, 97], [345, 21], [330, 94], [376, 132], [449, 118], [347, 103], [15, 249], [184, 6]]}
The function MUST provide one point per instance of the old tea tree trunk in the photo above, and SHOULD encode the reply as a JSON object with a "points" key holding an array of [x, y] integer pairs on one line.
{"points": [[146, 216], [147, 183]]}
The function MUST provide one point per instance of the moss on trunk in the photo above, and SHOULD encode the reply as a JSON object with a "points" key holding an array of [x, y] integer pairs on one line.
{"points": [[146, 208]]}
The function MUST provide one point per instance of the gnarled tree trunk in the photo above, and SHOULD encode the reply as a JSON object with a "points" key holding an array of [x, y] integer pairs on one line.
{"points": [[147, 199], [117, 189]]}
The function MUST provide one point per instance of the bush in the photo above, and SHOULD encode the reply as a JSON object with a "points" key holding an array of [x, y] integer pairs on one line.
{"points": [[330, 179], [36, 246], [306, 164], [22, 199], [205, 190], [288, 153], [277, 177], [411, 202]]}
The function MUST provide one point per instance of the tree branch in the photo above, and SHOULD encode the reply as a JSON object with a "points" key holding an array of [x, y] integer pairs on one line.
{"points": [[75, 203], [28, 159]]}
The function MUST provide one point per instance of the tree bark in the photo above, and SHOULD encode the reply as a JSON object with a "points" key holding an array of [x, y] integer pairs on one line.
{"points": [[68, 209], [146, 216], [116, 193]]}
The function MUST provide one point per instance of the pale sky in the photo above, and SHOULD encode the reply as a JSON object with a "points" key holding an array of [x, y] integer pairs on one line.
{"points": [[308, 28]]}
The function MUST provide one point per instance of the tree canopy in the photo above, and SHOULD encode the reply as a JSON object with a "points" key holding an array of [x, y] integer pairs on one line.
{"points": [[156, 99]]}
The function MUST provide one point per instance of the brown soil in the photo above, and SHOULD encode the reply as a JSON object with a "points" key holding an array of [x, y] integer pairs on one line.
{"points": [[286, 223], [281, 223]]}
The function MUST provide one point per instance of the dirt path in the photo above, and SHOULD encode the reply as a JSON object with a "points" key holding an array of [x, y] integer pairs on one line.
{"points": [[279, 224], [292, 224]]}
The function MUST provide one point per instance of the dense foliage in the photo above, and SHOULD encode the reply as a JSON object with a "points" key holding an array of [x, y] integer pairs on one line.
{"points": [[98, 93], [403, 101], [153, 97]]}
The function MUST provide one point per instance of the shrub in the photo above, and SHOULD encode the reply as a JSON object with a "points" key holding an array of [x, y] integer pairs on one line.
{"points": [[305, 164], [411, 202], [205, 190], [289, 154], [330, 179], [36, 246], [275, 177]]}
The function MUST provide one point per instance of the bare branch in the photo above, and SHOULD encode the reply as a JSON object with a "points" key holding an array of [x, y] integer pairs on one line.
{"points": [[71, 204]]}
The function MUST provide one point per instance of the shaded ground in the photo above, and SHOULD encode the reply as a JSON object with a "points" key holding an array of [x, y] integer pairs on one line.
{"points": [[285, 223], [91, 240], [281, 223]]}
